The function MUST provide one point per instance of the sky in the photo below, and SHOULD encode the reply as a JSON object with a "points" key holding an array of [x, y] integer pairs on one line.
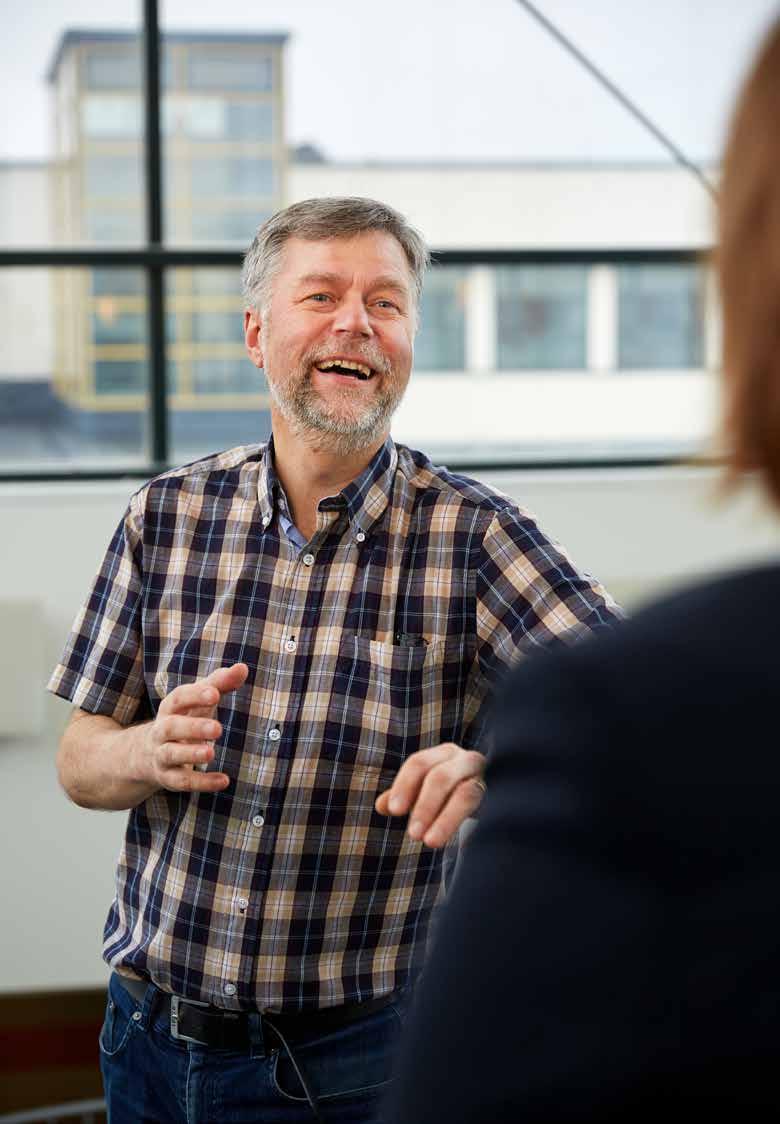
{"points": [[429, 80]]}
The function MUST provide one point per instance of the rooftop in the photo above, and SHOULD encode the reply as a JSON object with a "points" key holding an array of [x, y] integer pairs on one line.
{"points": [[77, 35]]}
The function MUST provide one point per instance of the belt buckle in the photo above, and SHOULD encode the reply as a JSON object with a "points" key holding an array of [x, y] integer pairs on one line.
{"points": [[176, 1001]]}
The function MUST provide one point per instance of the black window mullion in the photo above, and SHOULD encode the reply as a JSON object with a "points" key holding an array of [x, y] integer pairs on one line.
{"points": [[158, 407]]}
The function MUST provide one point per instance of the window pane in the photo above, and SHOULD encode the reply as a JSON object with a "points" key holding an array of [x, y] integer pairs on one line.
{"points": [[541, 317], [238, 175], [226, 157], [72, 100], [113, 66], [660, 316], [227, 226], [229, 69], [73, 383], [110, 116], [111, 325], [440, 344], [217, 119], [113, 176], [252, 121], [217, 398]]}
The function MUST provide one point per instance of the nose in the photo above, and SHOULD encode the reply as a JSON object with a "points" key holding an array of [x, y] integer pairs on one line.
{"points": [[352, 317]]}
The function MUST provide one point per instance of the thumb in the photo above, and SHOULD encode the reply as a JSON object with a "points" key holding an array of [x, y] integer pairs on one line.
{"points": [[227, 679]]}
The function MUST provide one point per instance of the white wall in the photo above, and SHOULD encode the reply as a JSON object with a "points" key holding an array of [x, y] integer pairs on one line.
{"points": [[521, 206], [639, 531]]}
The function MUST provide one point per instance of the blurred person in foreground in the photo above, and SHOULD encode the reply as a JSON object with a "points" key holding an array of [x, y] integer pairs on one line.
{"points": [[319, 623], [610, 950]]}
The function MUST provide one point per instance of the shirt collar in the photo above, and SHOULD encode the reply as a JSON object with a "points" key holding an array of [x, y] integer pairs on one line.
{"points": [[365, 499]]}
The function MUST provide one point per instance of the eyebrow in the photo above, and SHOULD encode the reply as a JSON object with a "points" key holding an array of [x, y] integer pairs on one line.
{"points": [[384, 282]]}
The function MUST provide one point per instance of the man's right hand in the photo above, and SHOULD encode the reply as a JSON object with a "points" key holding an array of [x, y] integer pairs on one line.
{"points": [[180, 739]]}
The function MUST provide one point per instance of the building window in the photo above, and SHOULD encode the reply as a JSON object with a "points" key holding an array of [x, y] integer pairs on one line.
{"points": [[228, 70], [114, 226], [111, 117], [120, 376], [232, 175], [227, 226], [114, 68], [112, 176], [660, 311], [112, 325], [218, 327], [226, 376], [440, 344], [541, 314]]}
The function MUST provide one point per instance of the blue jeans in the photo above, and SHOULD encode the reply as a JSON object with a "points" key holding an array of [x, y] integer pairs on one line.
{"points": [[152, 1078]]}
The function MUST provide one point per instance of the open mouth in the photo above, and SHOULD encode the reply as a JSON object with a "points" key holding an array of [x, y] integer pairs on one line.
{"points": [[348, 367]]}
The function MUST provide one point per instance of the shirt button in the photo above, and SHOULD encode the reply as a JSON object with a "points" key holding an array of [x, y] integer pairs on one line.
{"points": [[360, 537], [242, 903], [290, 645], [229, 989], [258, 821], [308, 559], [266, 520], [274, 734]]}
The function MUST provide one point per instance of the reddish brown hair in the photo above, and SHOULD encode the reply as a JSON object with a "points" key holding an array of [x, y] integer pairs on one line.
{"points": [[748, 261]]}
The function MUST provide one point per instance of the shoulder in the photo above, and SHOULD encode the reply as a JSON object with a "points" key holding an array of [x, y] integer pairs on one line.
{"points": [[218, 473], [435, 483]]}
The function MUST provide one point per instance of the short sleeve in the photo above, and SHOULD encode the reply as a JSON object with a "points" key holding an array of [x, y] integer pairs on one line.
{"points": [[530, 595], [101, 669]]}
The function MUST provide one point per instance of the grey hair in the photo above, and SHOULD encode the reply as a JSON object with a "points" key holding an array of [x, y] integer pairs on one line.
{"points": [[318, 220]]}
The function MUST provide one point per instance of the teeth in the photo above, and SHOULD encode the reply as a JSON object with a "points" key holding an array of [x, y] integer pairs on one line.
{"points": [[347, 364]]}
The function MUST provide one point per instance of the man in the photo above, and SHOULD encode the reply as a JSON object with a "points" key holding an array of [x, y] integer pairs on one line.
{"points": [[316, 626]]}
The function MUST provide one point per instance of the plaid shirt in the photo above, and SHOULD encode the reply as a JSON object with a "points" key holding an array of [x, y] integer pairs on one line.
{"points": [[385, 634]]}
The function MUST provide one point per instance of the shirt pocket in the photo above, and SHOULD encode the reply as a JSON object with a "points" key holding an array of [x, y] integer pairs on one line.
{"points": [[386, 699]]}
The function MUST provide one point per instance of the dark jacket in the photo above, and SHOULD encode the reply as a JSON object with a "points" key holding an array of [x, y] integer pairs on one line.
{"points": [[611, 949]]}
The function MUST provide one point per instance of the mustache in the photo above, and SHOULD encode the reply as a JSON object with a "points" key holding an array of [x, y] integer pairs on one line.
{"points": [[364, 353]]}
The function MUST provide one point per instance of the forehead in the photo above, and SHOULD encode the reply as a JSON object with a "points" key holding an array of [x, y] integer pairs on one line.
{"points": [[363, 257]]}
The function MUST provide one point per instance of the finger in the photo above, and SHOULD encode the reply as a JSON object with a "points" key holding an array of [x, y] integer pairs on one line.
{"points": [[401, 795], [184, 728], [189, 695], [190, 780], [462, 803], [438, 787], [227, 679], [174, 755]]}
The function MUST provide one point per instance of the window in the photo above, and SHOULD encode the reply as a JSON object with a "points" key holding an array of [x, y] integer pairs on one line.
{"points": [[225, 175], [541, 317], [250, 121], [226, 376], [119, 376], [441, 341], [219, 327], [114, 176], [227, 70], [227, 226], [113, 67], [112, 325], [661, 311], [110, 117]]}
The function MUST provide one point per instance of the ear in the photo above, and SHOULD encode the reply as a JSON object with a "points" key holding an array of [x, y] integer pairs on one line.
{"points": [[252, 325]]}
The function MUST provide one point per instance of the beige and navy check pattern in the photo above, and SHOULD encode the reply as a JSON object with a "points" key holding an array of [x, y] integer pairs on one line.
{"points": [[385, 634]]}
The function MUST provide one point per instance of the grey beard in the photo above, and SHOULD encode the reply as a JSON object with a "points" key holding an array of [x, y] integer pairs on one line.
{"points": [[309, 418]]}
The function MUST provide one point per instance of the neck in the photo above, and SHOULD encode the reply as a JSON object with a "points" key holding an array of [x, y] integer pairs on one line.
{"points": [[309, 470]]}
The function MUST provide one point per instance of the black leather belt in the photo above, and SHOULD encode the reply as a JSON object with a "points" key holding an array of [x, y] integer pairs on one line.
{"points": [[204, 1025]]}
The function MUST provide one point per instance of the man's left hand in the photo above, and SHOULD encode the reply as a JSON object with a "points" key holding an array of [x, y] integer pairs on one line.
{"points": [[439, 788]]}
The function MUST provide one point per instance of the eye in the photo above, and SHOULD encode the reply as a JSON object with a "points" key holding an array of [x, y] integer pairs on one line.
{"points": [[320, 298], [383, 302]]}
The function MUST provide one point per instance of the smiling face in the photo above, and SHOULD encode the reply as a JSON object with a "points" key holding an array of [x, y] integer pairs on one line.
{"points": [[336, 338]]}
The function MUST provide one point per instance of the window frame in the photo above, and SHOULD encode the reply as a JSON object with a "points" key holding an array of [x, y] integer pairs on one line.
{"points": [[153, 259]]}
